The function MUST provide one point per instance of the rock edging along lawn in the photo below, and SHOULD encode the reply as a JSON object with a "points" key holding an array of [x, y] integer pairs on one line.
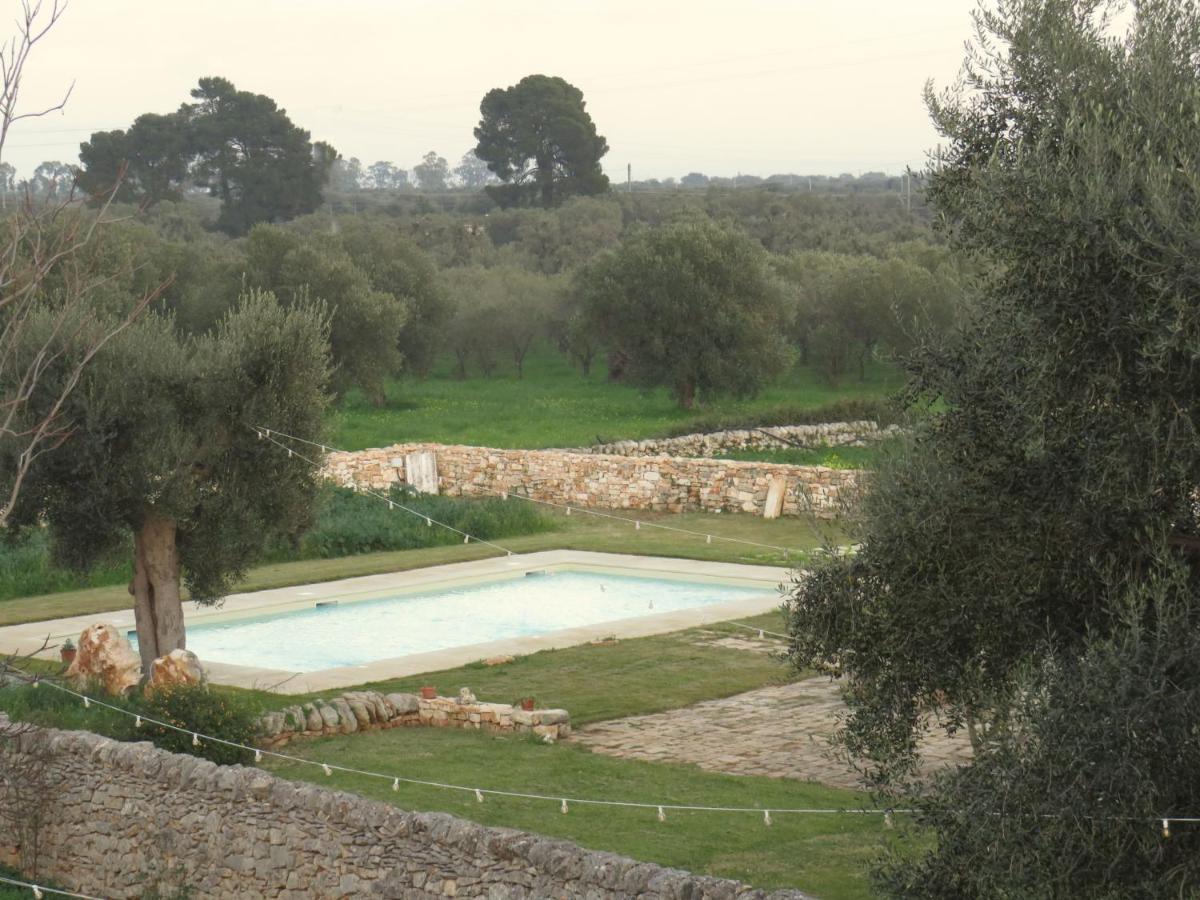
{"points": [[122, 818], [775, 437], [659, 483], [369, 710]]}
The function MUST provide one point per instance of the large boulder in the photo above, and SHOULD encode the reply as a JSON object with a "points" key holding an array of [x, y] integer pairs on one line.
{"points": [[107, 659], [177, 667]]}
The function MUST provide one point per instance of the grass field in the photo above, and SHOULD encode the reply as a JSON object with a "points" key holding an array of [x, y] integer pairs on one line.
{"points": [[555, 406]]}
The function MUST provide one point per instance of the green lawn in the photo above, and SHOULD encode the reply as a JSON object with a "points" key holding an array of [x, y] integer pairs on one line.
{"points": [[555, 406], [827, 855]]}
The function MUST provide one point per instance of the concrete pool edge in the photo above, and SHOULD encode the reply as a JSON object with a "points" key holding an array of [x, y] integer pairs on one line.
{"points": [[27, 637]]}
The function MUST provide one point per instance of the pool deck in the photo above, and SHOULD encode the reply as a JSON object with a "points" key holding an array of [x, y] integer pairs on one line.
{"points": [[28, 637]]}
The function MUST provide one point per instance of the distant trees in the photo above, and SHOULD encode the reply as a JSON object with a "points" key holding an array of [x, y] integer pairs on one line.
{"points": [[239, 145], [473, 173], [539, 139], [692, 306], [431, 172], [386, 177], [847, 308], [365, 323]]}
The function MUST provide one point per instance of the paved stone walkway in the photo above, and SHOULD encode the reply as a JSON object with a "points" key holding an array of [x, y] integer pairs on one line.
{"points": [[780, 732]]}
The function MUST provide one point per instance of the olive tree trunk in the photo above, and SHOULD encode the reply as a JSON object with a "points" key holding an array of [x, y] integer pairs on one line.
{"points": [[155, 588]]}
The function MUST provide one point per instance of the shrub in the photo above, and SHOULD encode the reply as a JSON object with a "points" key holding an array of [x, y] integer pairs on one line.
{"points": [[198, 709]]}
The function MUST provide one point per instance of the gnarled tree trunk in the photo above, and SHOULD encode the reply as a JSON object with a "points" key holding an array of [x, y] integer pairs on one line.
{"points": [[155, 589]]}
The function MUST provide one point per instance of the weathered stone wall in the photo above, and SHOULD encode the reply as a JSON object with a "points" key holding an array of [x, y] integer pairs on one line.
{"points": [[663, 483], [124, 818], [829, 434], [370, 710]]}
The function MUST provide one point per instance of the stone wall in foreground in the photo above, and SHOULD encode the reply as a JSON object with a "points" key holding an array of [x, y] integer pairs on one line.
{"points": [[124, 818], [660, 483], [778, 437]]}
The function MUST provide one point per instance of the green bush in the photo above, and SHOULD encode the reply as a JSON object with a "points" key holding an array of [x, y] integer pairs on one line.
{"points": [[348, 523], [198, 709], [202, 710]]}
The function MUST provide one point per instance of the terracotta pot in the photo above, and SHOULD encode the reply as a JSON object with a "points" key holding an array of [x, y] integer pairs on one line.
{"points": [[428, 692], [68, 656], [527, 703]]}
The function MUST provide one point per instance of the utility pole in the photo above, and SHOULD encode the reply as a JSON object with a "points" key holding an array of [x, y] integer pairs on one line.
{"points": [[629, 178]]}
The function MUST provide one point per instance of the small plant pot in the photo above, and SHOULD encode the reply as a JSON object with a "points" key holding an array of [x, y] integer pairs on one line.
{"points": [[68, 656], [428, 692], [527, 704]]}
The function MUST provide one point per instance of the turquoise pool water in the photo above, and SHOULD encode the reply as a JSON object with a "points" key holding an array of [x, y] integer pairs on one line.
{"points": [[353, 633]]}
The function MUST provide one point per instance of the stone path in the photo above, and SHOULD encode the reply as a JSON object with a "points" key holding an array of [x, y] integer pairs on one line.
{"points": [[780, 732]]}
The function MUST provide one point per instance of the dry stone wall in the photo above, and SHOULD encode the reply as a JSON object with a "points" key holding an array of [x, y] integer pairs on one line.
{"points": [[126, 818], [829, 434], [661, 483], [357, 711]]}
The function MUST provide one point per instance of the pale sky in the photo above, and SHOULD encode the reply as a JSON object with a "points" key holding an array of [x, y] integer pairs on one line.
{"points": [[750, 86]]}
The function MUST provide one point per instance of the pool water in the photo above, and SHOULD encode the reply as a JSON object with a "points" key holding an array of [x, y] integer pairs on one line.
{"points": [[353, 633]]}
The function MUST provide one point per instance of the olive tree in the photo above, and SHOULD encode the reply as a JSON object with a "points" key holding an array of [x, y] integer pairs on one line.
{"points": [[1029, 569], [692, 306], [166, 465]]}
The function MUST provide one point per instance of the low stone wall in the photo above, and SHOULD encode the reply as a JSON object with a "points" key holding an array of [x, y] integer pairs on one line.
{"points": [[369, 710], [661, 483], [123, 819], [779, 437]]}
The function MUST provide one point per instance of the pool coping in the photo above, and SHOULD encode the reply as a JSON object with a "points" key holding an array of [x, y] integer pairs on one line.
{"points": [[29, 636]]}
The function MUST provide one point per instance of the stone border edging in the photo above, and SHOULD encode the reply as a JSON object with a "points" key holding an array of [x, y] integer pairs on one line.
{"points": [[370, 710]]}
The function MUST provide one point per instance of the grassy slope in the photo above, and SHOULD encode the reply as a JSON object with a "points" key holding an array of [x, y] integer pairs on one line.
{"points": [[555, 406], [576, 532]]}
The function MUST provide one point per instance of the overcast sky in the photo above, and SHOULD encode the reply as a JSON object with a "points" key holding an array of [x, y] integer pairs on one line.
{"points": [[750, 86]]}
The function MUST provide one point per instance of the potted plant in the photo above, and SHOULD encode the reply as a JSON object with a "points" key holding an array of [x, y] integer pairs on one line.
{"points": [[428, 692], [67, 651], [527, 703]]}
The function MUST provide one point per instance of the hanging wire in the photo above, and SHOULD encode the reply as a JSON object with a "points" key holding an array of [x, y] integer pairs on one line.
{"points": [[40, 889], [474, 790]]}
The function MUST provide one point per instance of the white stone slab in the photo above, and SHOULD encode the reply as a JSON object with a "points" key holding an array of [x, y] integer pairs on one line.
{"points": [[773, 507], [420, 471]]}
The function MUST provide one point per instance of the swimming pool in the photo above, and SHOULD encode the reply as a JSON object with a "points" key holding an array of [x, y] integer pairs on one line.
{"points": [[341, 633]]}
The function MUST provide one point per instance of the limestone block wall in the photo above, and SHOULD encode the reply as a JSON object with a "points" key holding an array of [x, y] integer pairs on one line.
{"points": [[125, 818], [828, 434], [661, 483], [357, 711]]}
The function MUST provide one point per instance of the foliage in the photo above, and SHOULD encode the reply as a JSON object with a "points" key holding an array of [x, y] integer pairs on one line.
{"points": [[347, 523], [1099, 748], [431, 172], [365, 323], [201, 710], [1043, 507], [690, 306], [850, 308], [165, 452], [219, 712], [396, 266], [239, 145], [538, 138]]}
